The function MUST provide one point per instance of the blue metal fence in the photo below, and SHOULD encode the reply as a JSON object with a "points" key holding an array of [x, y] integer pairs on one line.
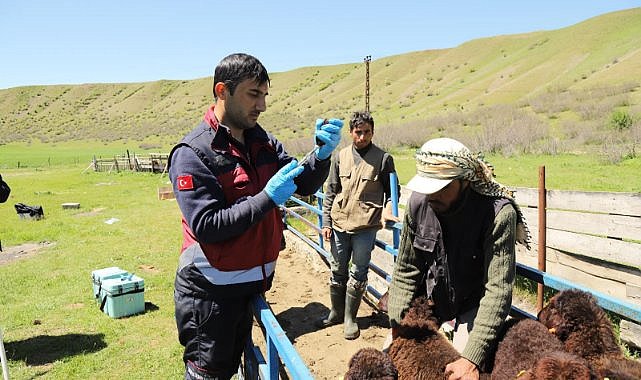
{"points": [[617, 306], [278, 348]]}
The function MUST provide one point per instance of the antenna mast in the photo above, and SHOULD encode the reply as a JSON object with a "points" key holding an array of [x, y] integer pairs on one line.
{"points": [[367, 60]]}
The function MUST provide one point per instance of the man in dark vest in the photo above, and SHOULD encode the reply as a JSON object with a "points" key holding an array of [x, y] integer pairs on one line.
{"points": [[357, 190], [458, 248], [229, 176]]}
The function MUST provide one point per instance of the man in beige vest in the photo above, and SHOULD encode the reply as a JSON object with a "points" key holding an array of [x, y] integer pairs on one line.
{"points": [[357, 190]]}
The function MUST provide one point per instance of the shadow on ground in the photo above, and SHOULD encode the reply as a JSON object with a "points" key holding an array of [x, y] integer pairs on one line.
{"points": [[46, 349], [298, 321], [150, 307]]}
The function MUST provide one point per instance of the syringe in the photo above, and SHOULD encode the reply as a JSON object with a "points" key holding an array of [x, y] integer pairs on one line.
{"points": [[319, 143]]}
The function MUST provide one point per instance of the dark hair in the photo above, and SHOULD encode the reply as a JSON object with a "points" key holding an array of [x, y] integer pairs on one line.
{"points": [[361, 117], [238, 67]]}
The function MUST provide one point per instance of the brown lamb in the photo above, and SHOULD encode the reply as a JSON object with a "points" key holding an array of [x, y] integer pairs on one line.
{"points": [[420, 351], [585, 330], [524, 343], [371, 364], [559, 365]]}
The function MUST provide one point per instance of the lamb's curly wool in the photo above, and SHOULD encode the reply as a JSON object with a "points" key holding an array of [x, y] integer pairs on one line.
{"points": [[524, 343], [585, 330], [420, 351], [620, 369], [371, 364], [559, 365]]}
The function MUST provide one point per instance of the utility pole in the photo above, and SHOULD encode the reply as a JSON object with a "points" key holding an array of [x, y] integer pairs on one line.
{"points": [[367, 60]]}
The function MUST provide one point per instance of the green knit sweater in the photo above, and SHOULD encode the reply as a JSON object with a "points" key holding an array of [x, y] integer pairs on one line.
{"points": [[500, 269]]}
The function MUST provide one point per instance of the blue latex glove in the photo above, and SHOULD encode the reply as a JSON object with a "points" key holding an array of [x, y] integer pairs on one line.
{"points": [[329, 134], [281, 186]]}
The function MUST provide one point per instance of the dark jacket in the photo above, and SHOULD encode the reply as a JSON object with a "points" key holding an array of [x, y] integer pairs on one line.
{"points": [[219, 185]]}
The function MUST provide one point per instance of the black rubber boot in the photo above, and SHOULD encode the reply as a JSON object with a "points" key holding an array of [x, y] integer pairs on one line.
{"points": [[337, 312], [352, 302]]}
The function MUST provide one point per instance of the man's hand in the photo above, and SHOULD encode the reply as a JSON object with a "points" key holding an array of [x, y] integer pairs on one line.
{"points": [[328, 132], [281, 186], [388, 215], [462, 369], [327, 233]]}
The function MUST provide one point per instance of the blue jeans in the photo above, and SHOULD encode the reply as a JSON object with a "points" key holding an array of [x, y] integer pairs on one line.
{"points": [[356, 247]]}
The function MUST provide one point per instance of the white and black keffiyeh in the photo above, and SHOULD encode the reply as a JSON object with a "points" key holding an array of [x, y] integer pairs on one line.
{"points": [[471, 167]]}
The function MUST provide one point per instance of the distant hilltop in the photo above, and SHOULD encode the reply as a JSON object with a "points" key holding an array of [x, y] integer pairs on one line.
{"points": [[582, 73]]}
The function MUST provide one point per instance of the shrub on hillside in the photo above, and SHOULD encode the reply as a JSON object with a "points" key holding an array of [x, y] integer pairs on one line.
{"points": [[619, 145], [506, 129], [411, 134], [551, 103], [599, 108], [615, 149], [579, 133], [635, 132], [621, 120]]}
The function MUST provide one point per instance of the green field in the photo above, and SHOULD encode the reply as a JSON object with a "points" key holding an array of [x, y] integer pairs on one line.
{"points": [[39, 155], [52, 325]]}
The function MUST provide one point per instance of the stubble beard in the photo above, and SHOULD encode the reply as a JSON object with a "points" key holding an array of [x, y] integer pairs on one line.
{"points": [[242, 122]]}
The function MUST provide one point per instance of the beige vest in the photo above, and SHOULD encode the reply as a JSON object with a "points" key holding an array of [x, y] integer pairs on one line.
{"points": [[359, 204]]}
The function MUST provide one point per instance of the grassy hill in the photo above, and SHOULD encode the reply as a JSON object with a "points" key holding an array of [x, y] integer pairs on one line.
{"points": [[543, 92]]}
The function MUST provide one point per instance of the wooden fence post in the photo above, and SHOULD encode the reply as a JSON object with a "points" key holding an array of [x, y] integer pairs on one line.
{"points": [[131, 167], [542, 237]]}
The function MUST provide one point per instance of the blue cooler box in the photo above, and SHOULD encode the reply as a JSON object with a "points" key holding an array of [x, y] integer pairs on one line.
{"points": [[100, 275], [123, 296]]}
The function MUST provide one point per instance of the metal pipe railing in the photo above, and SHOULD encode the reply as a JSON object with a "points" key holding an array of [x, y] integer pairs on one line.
{"points": [[278, 348]]}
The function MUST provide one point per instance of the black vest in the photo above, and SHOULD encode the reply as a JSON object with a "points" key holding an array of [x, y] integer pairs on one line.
{"points": [[454, 245]]}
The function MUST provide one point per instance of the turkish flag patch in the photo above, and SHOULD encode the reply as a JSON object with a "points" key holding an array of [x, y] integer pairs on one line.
{"points": [[185, 182]]}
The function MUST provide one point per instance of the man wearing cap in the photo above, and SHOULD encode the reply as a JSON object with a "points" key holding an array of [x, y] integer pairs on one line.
{"points": [[458, 248]]}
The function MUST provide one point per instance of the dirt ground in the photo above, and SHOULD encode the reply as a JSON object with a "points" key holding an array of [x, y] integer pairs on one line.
{"points": [[300, 296], [10, 254]]}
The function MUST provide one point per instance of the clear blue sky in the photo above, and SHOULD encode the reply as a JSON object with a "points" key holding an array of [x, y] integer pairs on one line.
{"points": [[88, 41]]}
